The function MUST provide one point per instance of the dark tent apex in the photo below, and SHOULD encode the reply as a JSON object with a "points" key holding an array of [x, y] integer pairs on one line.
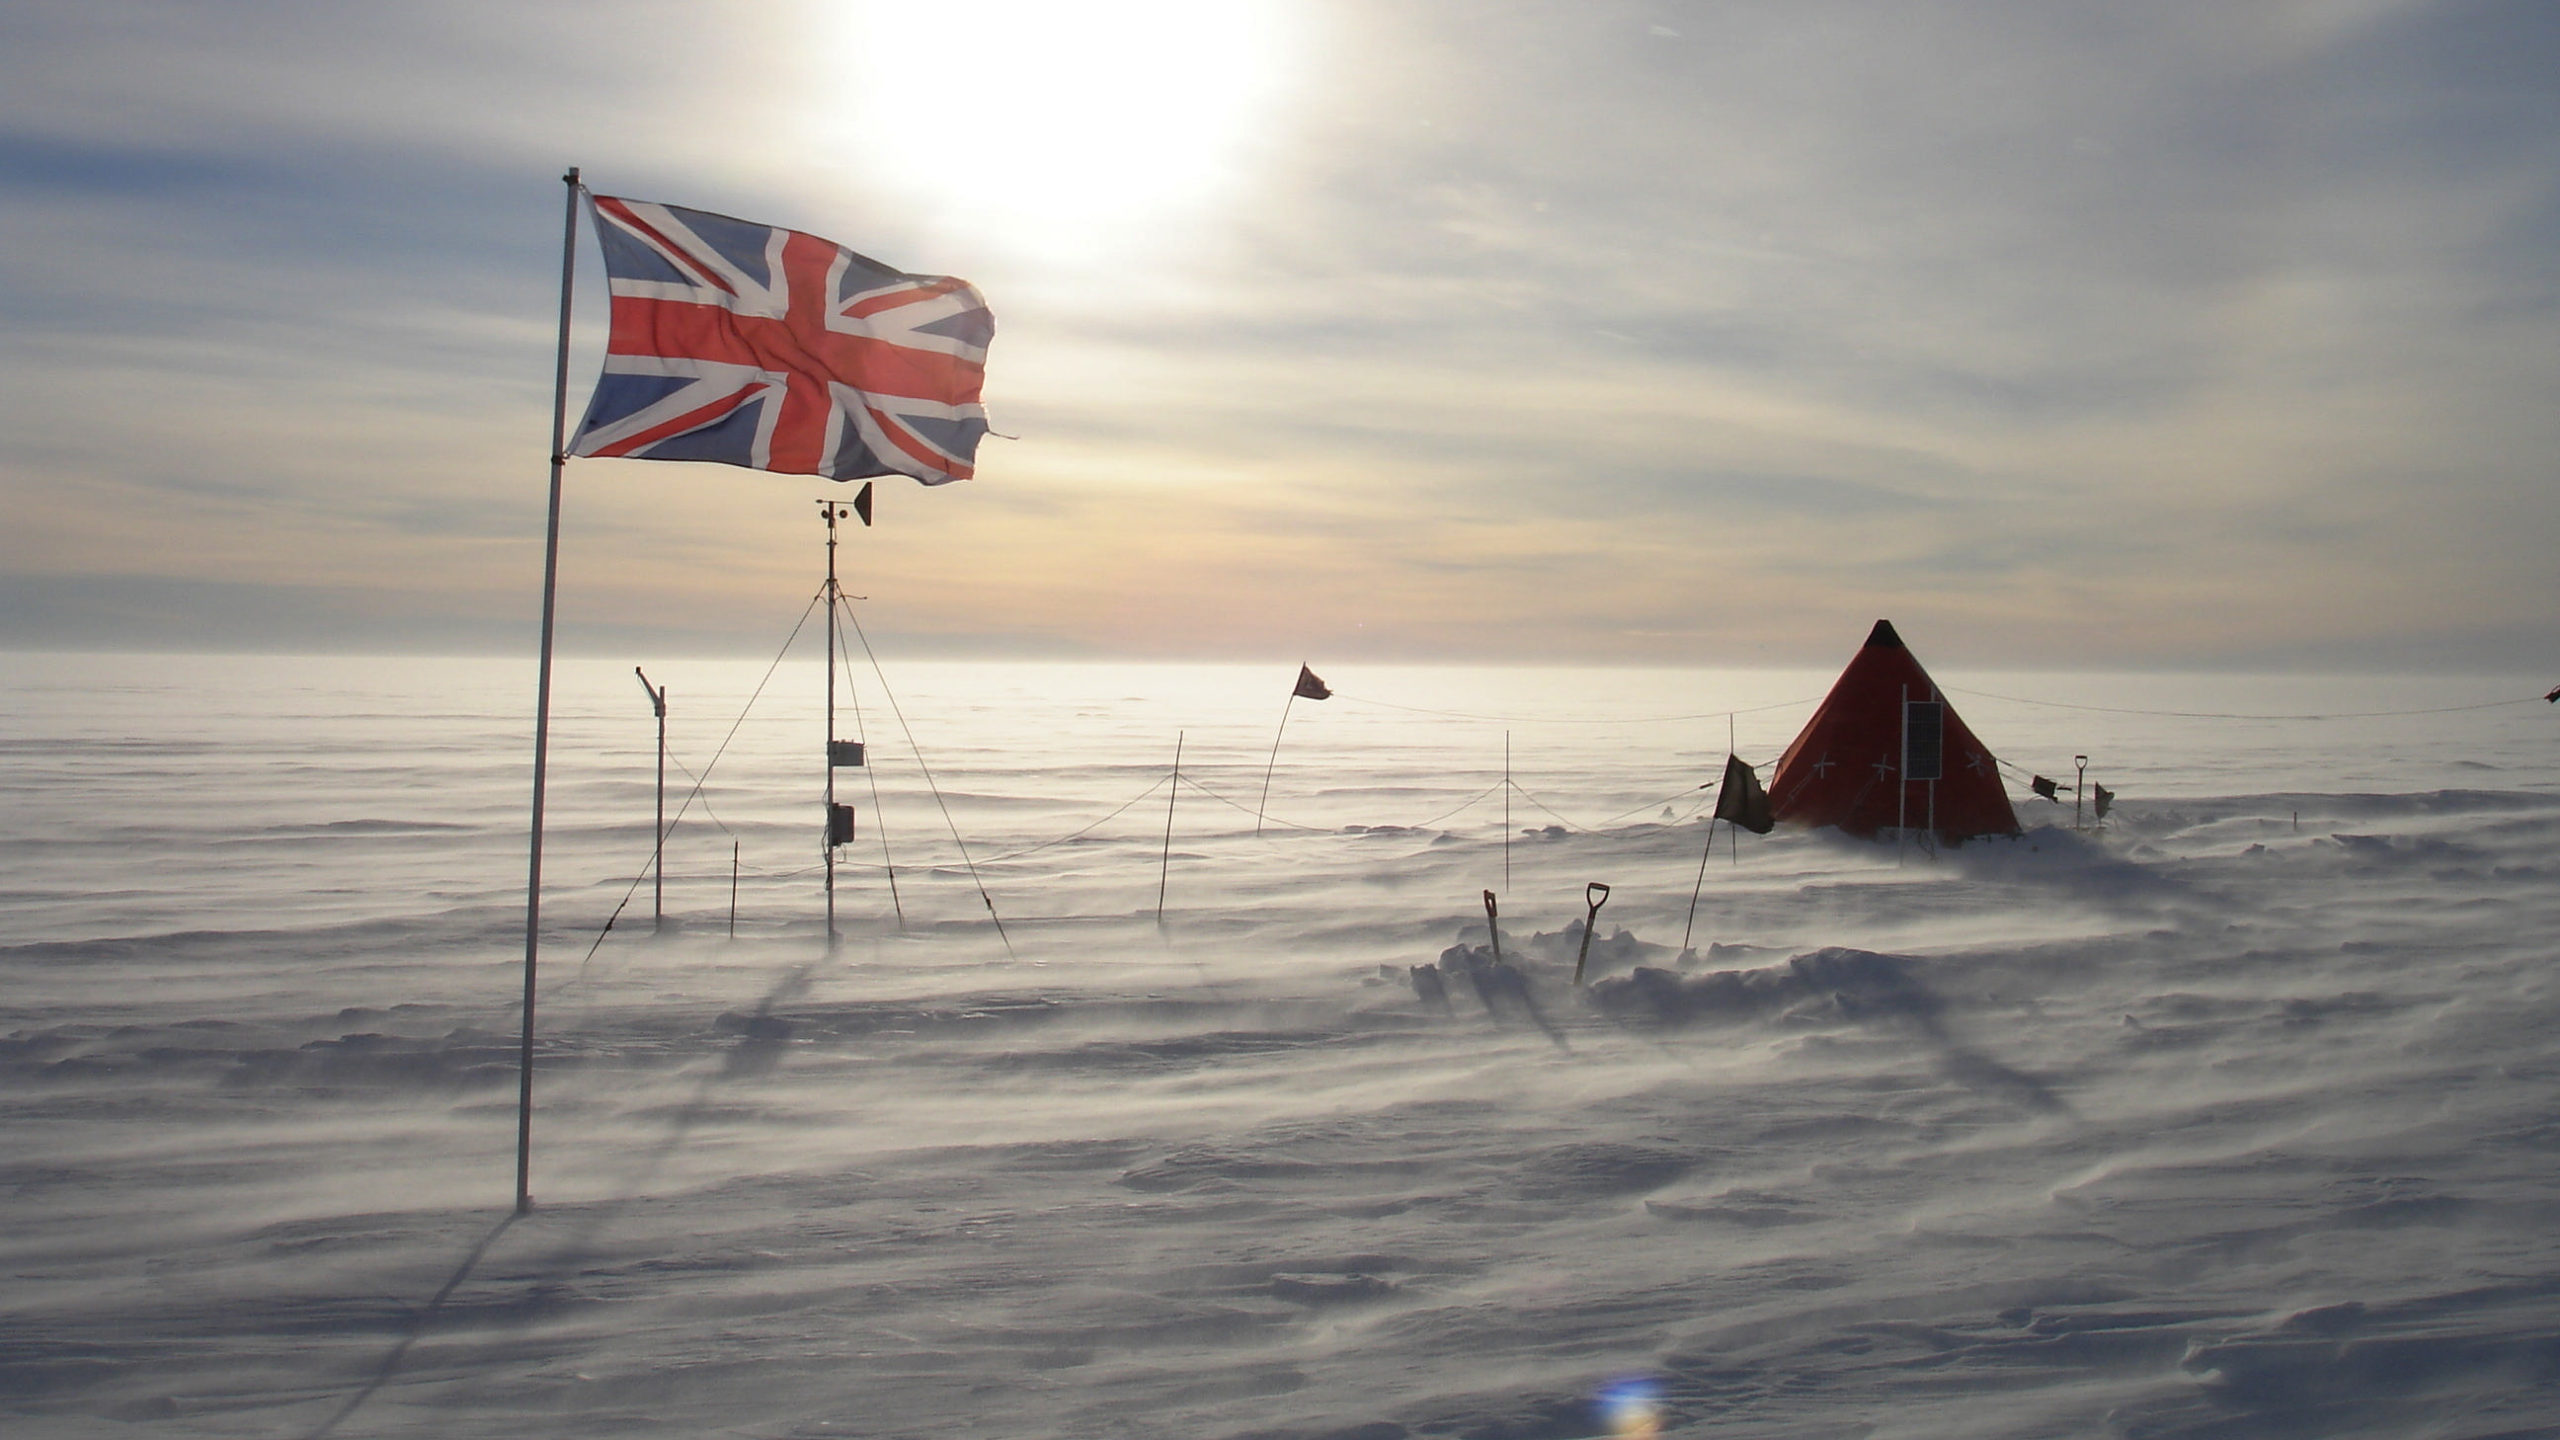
{"points": [[1883, 635]]}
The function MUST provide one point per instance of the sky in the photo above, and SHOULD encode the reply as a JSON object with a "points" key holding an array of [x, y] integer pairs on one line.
{"points": [[2064, 334]]}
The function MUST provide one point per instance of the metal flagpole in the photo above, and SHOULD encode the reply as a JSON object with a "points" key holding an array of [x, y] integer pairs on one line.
{"points": [[828, 509], [542, 701]]}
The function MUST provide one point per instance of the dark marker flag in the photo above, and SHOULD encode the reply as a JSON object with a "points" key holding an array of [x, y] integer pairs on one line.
{"points": [[1741, 801], [2104, 798], [1307, 688], [753, 345], [2046, 788]]}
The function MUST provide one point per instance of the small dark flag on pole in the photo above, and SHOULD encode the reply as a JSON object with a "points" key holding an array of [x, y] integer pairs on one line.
{"points": [[1741, 801], [2045, 788], [2554, 696], [1308, 688], [2104, 798]]}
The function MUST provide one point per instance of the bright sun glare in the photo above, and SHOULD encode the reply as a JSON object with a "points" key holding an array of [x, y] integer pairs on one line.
{"points": [[1066, 125]]}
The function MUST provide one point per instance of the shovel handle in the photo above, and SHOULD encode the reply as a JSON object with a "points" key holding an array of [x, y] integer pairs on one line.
{"points": [[1595, 895], [1492, 924]]}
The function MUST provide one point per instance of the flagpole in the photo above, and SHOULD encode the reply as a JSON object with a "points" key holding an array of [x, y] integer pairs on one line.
{"points": [[542, 698], [1274, 763]]}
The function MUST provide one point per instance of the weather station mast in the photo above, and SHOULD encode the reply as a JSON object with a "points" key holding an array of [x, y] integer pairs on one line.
{"points": [[840, 753]]}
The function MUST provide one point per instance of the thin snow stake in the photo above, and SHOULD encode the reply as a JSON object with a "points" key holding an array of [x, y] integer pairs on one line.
{"points": [[658, 851], [1164, 866]]}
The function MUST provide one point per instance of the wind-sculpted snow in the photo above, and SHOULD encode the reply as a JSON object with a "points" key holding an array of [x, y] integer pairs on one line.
{"points": [[2233, 1118], [1845, 984]]}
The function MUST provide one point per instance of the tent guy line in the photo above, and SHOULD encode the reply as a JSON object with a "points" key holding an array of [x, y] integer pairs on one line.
{"points": [[927, 770], [1340, 694]]}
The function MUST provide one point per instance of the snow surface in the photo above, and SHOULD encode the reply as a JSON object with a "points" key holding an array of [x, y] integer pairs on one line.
{"points": [[2234, 1118]]}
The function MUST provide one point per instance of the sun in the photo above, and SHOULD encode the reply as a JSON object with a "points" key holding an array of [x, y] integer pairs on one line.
{"points": [[1067, 126]]}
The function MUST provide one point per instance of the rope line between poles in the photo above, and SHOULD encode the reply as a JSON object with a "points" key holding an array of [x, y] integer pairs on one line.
{"points": [[2219, 715], [1340, 694], [1116, 812]]}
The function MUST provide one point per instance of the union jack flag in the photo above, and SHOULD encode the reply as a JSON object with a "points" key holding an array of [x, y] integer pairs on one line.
{"points": [[757, 346]]}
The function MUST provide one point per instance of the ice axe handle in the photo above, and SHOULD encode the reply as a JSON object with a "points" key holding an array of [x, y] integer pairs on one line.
{"points": [[1595, 895]]}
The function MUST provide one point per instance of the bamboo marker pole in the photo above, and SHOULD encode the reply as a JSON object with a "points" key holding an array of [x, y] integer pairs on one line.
{"points": [[1164, 869], [1732, 841], [1902, 786], [658, 848], [1699, 888]]}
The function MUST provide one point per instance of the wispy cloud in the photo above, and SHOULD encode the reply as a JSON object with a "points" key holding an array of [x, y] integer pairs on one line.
{"points": [[1637, 330]]}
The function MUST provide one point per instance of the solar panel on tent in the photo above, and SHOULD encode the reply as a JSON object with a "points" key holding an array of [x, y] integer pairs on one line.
{"points": [[1924, 740]]}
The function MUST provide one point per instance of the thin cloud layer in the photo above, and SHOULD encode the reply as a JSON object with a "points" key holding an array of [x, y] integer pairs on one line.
{"points": [[1634, 332]]}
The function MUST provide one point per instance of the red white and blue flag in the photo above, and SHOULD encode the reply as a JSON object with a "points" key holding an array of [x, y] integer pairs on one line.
{"points": [[752, 345]]}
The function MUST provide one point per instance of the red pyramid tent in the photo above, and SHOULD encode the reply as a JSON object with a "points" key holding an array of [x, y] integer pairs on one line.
{"points": [[1847, 766]]}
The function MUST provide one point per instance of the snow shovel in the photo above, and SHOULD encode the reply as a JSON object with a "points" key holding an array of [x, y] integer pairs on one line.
{"points": [[1491, 927], [1595, 895]]}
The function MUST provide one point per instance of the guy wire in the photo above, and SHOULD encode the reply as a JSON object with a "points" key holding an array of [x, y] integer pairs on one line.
{"points": [[930, 784]]}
